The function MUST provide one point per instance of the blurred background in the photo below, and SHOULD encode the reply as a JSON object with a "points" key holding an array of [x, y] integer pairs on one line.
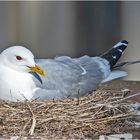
{"points": [[54, 28]]}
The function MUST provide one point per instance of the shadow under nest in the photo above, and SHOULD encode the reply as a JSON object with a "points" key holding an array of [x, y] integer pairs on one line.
{"points": [[102, 112]]}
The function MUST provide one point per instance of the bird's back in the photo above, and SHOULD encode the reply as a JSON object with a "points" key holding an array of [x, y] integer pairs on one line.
{"points": [[72, 76]]}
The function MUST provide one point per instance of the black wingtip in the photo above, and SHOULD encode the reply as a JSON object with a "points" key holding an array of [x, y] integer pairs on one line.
{"points": [[114, 54], [125, 42]]}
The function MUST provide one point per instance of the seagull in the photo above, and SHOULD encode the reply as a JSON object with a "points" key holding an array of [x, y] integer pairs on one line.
{"points": [[24, 78]]}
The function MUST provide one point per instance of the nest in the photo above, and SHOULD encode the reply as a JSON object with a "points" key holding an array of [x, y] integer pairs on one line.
{"points": [[102, 112]]}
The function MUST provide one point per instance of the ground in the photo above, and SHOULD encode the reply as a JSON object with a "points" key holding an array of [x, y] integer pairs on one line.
{"points": [[63, 111], [133, 86]]}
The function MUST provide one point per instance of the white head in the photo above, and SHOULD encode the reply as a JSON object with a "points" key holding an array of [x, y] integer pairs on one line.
{"points": [[21, 59]]}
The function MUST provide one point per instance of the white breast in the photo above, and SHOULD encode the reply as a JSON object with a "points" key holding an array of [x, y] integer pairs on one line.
{"points": [[15, 85]]}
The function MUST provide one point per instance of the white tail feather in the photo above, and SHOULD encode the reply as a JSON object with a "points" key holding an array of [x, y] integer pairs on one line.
{"points": [[114, 75]]}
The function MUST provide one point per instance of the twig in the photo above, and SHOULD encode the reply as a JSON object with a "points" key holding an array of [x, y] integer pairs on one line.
{"points": [[128, 97], [31, 131], [26, 124]]}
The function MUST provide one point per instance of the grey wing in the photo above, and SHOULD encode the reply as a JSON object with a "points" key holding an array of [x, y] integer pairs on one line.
{"points": [[70, 77]]}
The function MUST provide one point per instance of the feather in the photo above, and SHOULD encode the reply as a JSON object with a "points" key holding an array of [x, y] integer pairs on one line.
{"points": [[114, 75]]}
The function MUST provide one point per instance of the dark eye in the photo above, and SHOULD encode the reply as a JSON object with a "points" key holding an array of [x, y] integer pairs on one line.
{"points": [[18, 57]]}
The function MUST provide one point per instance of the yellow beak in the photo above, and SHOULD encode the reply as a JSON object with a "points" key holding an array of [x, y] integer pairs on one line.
{"points": [[38, 70]]}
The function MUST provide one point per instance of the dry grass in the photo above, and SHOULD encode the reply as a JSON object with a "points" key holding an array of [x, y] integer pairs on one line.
{"points": [[102, 112]]}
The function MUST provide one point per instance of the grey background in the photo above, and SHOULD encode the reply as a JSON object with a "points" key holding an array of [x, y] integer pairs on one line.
{"points": [[71, 28]]}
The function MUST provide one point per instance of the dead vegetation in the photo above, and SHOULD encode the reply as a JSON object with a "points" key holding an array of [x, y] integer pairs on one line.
{"points": [[102, 112]]}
